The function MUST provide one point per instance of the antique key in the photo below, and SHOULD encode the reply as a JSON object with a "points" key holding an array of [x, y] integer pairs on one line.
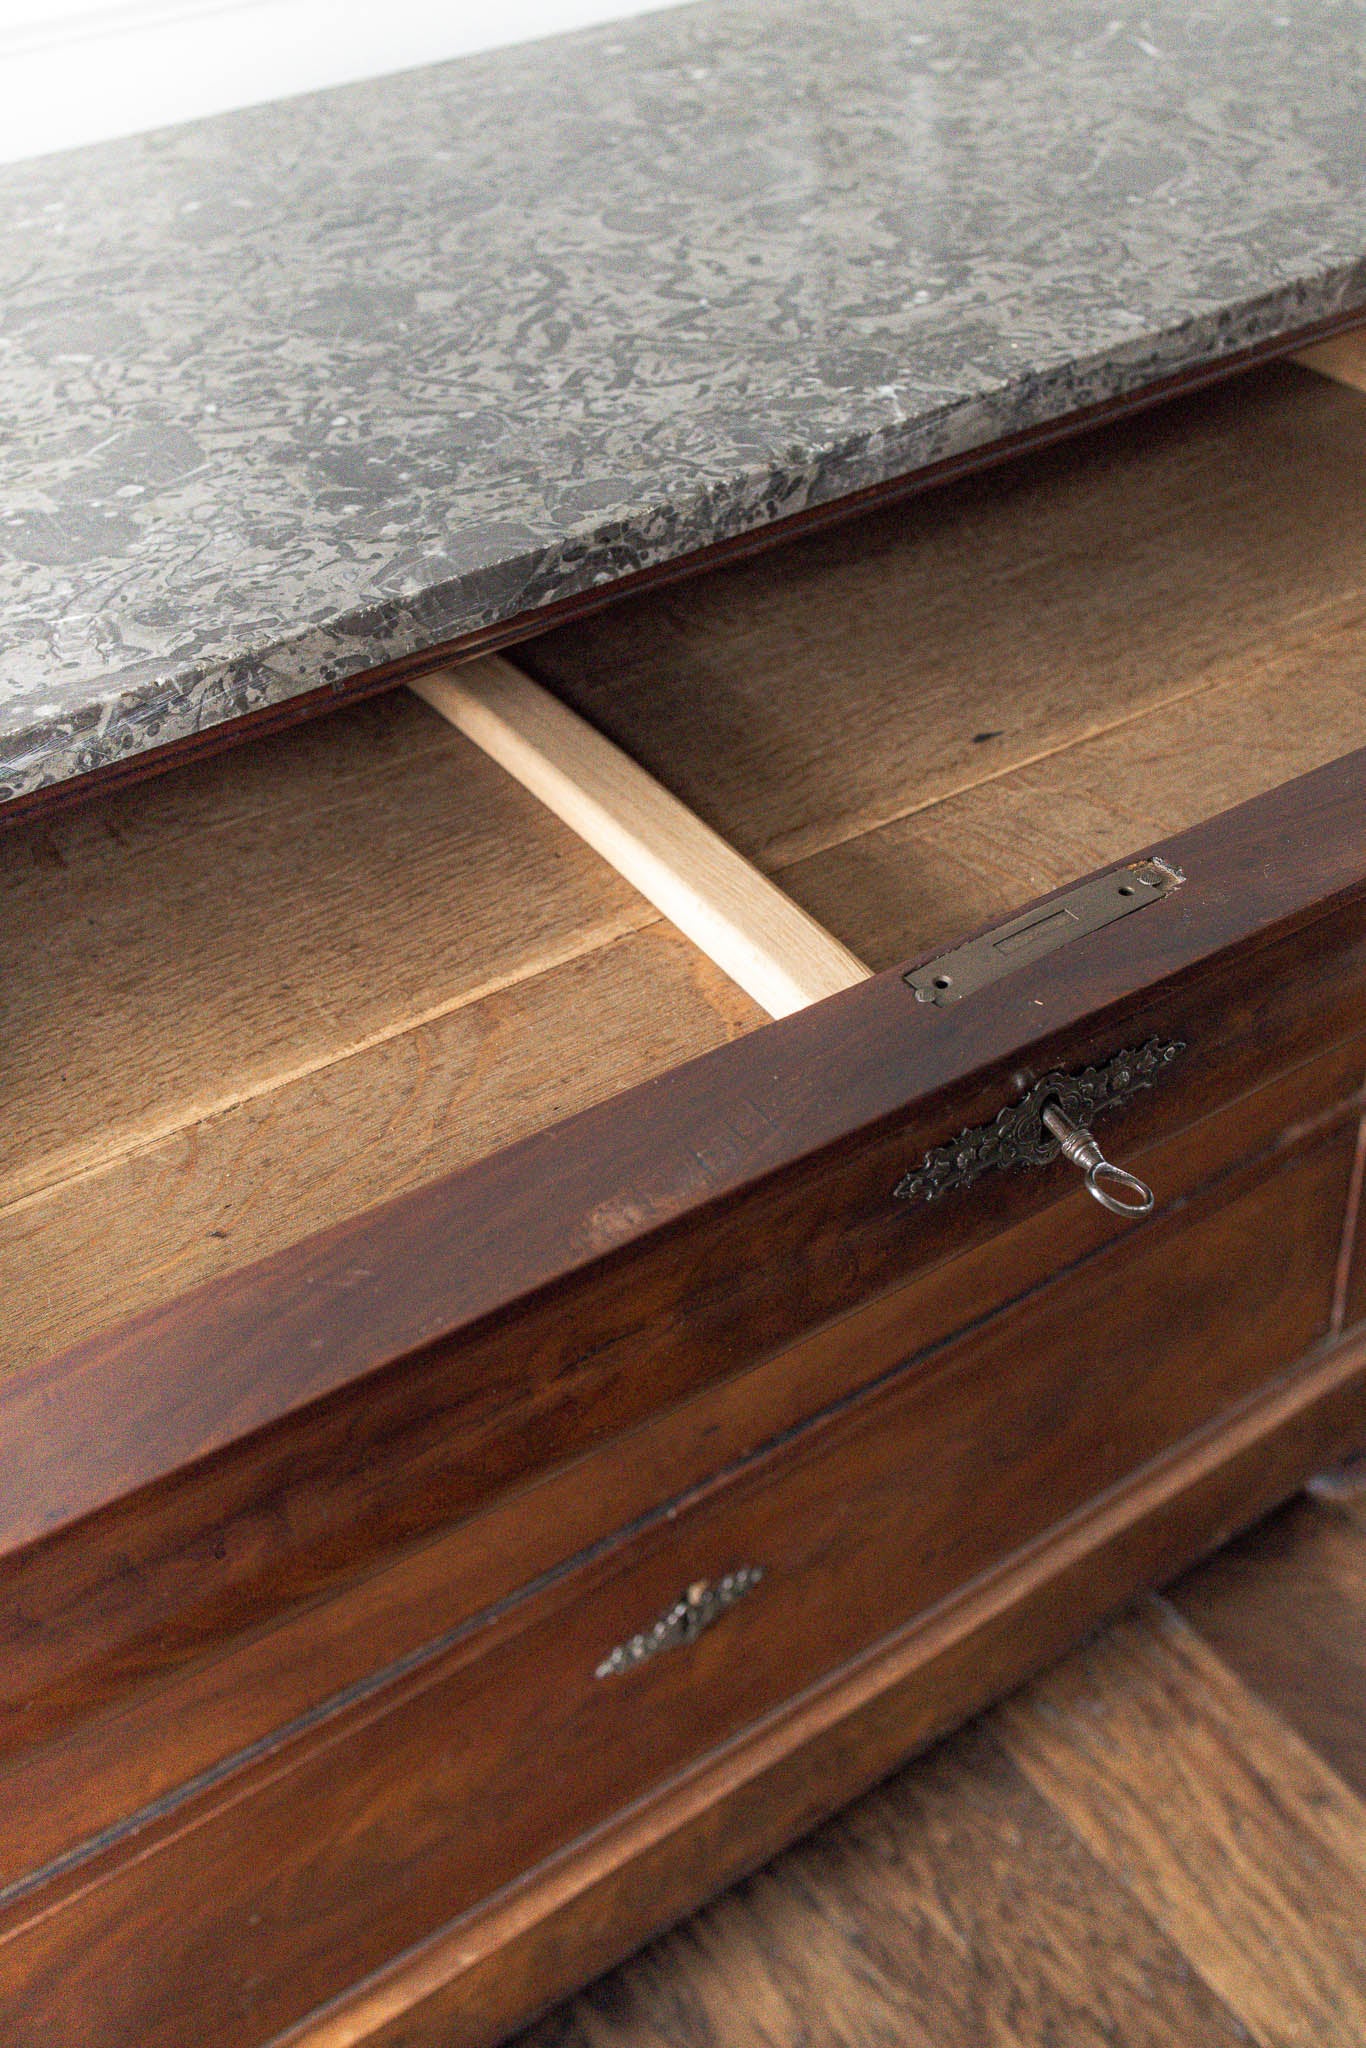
{"points": [[1080, 1147]]}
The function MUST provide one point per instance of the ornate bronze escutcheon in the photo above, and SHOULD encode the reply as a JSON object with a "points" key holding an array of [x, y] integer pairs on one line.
{"points": [[704, 1602], [1053, 1118]]}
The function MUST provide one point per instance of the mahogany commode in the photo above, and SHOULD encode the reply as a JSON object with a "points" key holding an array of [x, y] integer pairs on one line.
{"points": [[409, 1607]]}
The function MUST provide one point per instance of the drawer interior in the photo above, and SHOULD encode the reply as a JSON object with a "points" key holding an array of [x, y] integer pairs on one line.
{"points": [[258, 994], [922, 720]]}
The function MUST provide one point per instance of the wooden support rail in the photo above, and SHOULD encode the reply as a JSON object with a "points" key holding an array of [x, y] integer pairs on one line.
{"points": [[737, 916], [1343, 358]]}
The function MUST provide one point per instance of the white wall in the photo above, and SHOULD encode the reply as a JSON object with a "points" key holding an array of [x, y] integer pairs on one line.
{"points": [[74, 71]]}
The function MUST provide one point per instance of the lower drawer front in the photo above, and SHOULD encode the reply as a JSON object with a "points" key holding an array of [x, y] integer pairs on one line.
{"points": [[239, 1913]]}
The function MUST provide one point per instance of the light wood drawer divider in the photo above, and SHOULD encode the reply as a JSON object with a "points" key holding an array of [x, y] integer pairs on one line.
{"points": [[740, 919]]}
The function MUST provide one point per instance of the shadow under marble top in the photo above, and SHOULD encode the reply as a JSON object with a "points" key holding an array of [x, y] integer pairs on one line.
{"points": [[290, 392]]}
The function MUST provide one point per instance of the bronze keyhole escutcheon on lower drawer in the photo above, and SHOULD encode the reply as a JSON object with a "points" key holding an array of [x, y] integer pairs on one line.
{"points": [[703, 1603], [1053, 1118]]}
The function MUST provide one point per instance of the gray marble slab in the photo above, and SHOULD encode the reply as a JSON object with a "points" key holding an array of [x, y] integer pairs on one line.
{"points": [[289, 392]]}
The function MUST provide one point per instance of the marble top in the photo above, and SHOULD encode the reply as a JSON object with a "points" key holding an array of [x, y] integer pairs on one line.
{"points": [[290, 392]]}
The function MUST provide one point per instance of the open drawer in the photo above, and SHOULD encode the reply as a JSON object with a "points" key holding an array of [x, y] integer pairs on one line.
{"points": [[408, 1606]]}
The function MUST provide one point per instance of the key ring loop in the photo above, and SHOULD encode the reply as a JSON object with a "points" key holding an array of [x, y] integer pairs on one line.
{"points": [[1077, 1144], [1141, 1207]]}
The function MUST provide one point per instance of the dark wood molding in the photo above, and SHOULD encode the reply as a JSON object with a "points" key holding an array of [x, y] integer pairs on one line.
{"points": [[1350, 1302]]}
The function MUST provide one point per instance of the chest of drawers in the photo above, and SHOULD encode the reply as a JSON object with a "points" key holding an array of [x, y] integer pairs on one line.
{"points": [[498, 1434]]}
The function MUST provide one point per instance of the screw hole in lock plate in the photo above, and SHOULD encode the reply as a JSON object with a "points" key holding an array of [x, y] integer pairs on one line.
{"points": [[1020, 1135]]}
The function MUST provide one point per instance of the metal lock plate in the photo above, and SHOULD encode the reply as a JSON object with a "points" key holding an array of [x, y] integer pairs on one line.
{"points": [[1042, 930]]}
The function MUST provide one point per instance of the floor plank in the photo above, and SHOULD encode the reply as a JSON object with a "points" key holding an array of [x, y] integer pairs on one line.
{"points": [[1228, 1830], [1285, 1608], [949, 1909]]}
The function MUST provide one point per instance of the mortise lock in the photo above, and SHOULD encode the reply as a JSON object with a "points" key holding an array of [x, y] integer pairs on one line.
{"points": [[1037, 932], [1053, 1117]]}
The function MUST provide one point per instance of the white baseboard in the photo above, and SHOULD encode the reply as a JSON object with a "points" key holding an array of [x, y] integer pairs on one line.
{"points": [[72, 73]]}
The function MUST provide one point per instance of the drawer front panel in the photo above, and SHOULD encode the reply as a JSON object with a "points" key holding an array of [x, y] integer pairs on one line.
{"points": [[61, 1792], [343, 1483], [329, 1857]]}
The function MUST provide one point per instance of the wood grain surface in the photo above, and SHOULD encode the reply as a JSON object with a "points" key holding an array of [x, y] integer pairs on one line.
{"points": [[1352, 1273], [234, 1185], [955, 1906], [583, 1912], [348, 1840], [978, 855], [338, 1844], [1343, 358], [858, 677], [1285, 1608], [246, 1000], [256, 919], [59, 1793], [1156, 1755]]}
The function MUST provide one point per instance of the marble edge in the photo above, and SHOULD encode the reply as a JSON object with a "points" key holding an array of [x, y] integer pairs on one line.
{"points": [[171, 705]]}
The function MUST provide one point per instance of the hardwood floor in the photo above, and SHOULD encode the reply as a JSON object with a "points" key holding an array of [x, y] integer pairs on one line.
{"points": [[1160, 1841]]}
